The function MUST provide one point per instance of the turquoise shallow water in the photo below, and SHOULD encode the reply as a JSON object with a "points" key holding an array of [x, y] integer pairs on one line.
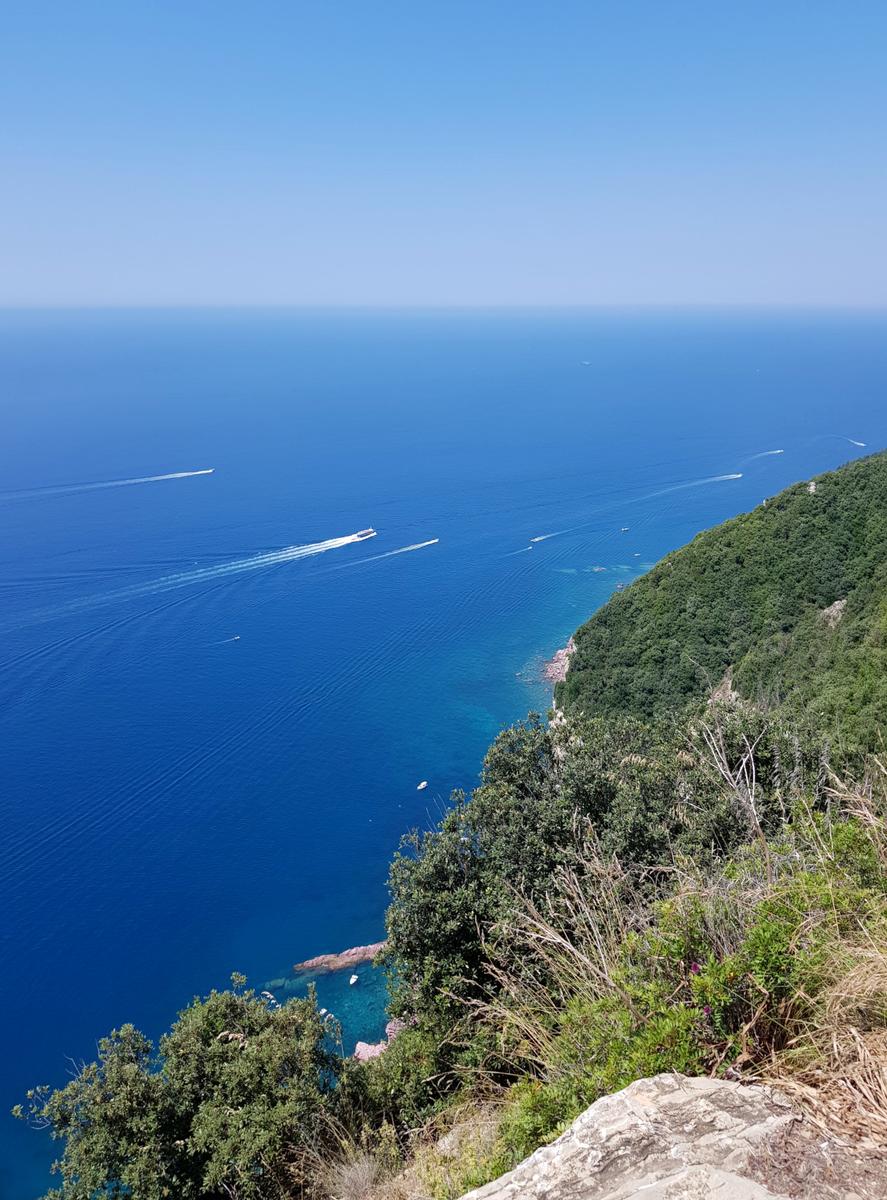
{"points": [[214, 711]]}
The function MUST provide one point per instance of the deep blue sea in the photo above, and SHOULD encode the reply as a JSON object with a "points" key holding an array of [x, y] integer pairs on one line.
{"points": [[215, 708]]}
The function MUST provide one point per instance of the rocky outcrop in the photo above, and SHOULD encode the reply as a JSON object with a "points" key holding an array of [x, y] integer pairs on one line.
{"points": [[367, 1050], [364, 1051], [555, 670], [832, 615], [665, 1138], [325, 963], [724, 692]]}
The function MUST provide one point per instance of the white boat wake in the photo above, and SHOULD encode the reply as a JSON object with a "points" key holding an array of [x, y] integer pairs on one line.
{"points": [[675, 487], [203, 575], [66, 489], [763, 454], [389, 554], [678, 487]]}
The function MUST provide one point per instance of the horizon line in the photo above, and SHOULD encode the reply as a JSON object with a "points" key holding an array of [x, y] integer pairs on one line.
{"points": [[432, 306]]}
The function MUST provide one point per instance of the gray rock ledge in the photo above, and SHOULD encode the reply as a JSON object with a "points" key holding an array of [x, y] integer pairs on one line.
{"points": [[665, 1138]]}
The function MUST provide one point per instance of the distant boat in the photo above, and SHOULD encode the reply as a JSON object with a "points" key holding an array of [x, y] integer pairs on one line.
{"points": [[422, 785], [625, 529], [366, 533], [620, 587], [353, 980]]}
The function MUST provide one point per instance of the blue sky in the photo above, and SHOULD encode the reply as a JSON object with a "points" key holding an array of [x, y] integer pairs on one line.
{"points": [[393, 153]]}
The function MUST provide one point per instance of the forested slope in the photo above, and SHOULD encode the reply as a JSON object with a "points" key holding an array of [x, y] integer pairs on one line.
{"points": [[749, 597]]}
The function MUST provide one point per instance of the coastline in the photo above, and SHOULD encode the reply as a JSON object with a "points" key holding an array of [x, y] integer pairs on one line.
{"points": [[556, 667]]}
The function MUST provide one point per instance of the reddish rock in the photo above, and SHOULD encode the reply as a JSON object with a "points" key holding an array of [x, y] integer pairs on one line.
{"points": [[555, 670], [324, 963], [364, 1051]]}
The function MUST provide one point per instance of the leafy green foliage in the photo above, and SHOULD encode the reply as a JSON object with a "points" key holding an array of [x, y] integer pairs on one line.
{"points": [[449, 884], [749, 596], [231, 1105], [401, 1089]]}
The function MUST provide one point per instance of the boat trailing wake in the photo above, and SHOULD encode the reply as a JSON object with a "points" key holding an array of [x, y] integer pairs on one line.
{"points": [[204, 575], [679, 487], [389, 554], [763, 454], [840, 437], [66, 489], [675, 487]]}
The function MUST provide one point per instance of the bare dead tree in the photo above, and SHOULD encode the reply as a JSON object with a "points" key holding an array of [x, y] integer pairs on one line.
{"points": [[741, 779]]}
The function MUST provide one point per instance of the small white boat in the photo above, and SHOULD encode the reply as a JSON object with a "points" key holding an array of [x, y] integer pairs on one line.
{"points": [[353, 980], [366, 533], [422, 786], [625, 529]]}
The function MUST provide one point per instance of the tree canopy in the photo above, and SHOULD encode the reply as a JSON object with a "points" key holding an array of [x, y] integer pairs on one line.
{"points": [[231, 1105], [750, 597]]}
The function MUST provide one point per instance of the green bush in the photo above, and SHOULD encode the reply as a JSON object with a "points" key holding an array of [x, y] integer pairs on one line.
{"points": [[235, 1102], [403, 1086]]}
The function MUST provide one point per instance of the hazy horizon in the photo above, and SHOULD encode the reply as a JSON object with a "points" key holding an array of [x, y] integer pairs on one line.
{"points": [[700, 307]]}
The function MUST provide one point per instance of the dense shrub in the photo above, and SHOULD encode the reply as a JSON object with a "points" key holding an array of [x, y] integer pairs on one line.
{"points": [[234, 1103]]}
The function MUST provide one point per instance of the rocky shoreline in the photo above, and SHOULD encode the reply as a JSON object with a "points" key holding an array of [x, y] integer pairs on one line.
{"points": [[364, 1051], [555, 669]]}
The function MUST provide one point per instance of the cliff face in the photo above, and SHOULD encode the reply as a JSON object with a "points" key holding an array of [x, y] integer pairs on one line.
{"points": [[676, 1138]]}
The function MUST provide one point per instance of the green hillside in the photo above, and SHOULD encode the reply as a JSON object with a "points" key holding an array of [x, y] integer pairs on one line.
{"points": [[749, 597]]}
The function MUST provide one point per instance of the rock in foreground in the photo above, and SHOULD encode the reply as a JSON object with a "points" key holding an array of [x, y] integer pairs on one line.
{"points": [[665, 1138]]}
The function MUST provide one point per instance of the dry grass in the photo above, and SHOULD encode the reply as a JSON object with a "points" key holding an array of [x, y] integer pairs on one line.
{"points": [[573, 942], [572, 946], [447, 1165], [843, 1090], [445, 1157], [354, 1178], [836, 1068], [448, 1155]]}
